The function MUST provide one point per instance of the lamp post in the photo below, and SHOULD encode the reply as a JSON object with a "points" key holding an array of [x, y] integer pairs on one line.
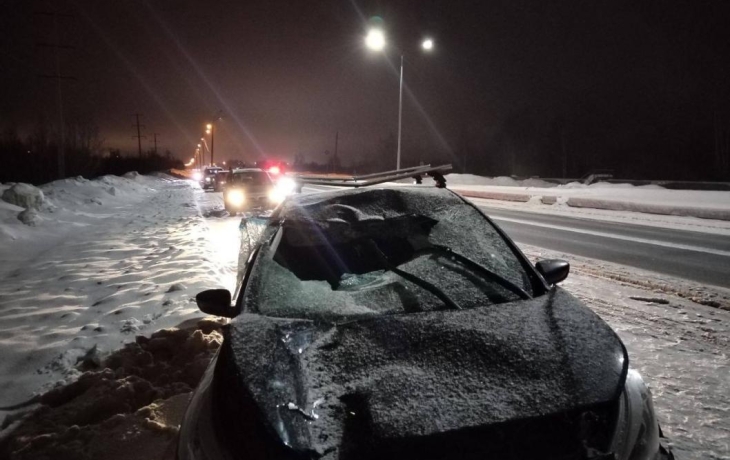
{"points": [[210, 129], [202, 139], [375, 40]]}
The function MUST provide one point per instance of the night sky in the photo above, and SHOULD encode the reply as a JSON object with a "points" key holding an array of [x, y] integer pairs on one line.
{"points": [[634, 81]]}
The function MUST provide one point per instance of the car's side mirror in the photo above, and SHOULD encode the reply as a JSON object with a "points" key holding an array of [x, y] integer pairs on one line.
{"points": [[553, 270], [216, 302]]}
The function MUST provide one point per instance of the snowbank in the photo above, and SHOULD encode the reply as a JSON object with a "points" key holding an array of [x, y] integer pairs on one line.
{"points": [[24, 195], [89, 277], [503, 181], [651, 199], [128, 406]]}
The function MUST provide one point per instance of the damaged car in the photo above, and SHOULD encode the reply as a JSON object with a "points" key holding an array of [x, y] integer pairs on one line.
{"points": [[401, 322]]}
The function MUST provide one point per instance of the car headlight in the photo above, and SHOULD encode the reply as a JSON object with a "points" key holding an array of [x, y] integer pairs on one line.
{"points": [[235, 198], [197, 176], [207, 179], [284, 187], [637, 432]]}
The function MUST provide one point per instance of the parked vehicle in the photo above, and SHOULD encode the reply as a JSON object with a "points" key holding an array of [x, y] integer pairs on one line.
{"points": [[209, 178]]}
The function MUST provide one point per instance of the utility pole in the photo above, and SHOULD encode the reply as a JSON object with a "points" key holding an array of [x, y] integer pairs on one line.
{"points": [[155, 137], [138, 136], [56, 45]]}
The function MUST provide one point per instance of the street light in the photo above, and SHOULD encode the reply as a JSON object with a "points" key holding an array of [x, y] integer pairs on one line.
{"points": [[375, 40]]}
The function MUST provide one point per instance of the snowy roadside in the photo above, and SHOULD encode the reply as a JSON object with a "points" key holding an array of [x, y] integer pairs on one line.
{"points": [[677, 333], [600, 199], [108, 259]]}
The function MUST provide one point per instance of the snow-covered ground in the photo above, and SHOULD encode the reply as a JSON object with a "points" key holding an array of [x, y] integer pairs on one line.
{"points": [[105, 266], [679, 208], [109, 259]]}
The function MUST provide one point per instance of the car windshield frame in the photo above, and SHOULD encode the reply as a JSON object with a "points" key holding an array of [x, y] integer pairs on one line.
{"points": [[533, 282]]}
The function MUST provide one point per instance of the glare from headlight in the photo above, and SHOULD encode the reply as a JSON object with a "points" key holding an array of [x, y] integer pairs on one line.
{"points": [[284, 187], [197, 175], [235, 198], [276, 196], [207, 179]]}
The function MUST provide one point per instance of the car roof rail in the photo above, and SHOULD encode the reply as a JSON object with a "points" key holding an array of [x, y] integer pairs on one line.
{"points": [[415, 172]]}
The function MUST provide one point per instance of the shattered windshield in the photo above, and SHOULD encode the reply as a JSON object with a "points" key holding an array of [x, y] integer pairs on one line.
{"points": [[350, 266]]}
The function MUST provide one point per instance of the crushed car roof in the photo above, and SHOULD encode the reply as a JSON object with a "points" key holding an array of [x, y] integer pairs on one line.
{"points": [[367, 204]]}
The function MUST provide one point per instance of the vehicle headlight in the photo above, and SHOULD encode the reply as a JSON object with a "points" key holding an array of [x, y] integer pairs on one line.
{"points": [[235, 198], [207, 179], [284, 187], [197, 175], [637, 431]]}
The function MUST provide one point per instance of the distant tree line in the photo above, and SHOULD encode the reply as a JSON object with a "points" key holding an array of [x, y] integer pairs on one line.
{"points": [[35, 158], [530, 142]]}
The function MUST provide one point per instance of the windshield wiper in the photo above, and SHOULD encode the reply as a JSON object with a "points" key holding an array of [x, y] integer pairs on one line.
{"points": [[504, 282], [414, 279]]}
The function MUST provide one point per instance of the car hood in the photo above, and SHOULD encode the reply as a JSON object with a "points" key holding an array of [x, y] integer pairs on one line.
{"points": [[409, 376]]}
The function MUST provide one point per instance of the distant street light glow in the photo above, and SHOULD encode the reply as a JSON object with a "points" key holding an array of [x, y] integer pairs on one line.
{"points": [[375, 40], [427, 44]]}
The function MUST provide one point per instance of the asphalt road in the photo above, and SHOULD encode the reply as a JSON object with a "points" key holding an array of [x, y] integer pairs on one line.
{"points": [[696, 256]]}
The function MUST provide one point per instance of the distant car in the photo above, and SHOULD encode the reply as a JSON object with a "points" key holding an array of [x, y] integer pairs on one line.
{"points": [[220, 181], [399, 323], [209, 179], [250, 188]]}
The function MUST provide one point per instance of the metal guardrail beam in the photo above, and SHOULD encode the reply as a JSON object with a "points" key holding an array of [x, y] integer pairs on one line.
{"points": [[362, 177], [437, 172]]}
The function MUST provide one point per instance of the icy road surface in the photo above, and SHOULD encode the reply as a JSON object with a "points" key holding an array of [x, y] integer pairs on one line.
{"points": [[103, 273]]}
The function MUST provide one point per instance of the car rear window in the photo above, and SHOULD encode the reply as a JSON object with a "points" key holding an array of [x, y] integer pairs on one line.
{"points": [[251, 178]]}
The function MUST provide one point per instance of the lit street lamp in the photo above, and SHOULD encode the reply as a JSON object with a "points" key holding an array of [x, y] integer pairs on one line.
{"points": [[375, 40]]}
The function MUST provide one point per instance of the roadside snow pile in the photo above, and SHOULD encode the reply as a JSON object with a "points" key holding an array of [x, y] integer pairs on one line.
{"points": [[502, 181], [24, 195], [650, 199], [128, 406], [88, 278], [30, 217], [106, 190]]}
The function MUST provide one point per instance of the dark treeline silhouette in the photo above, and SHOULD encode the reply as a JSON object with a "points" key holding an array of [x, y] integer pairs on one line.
{"points": [[35, 159], [529, 142]]}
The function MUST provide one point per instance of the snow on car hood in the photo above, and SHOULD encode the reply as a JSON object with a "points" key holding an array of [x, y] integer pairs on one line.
{"points": [[419, 374]]}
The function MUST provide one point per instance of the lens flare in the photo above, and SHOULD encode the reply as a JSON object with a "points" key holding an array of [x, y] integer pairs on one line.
{"points": [[235, 198]]}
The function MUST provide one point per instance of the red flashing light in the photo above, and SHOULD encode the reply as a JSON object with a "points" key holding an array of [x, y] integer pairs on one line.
{"points": [[274, 170]]}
